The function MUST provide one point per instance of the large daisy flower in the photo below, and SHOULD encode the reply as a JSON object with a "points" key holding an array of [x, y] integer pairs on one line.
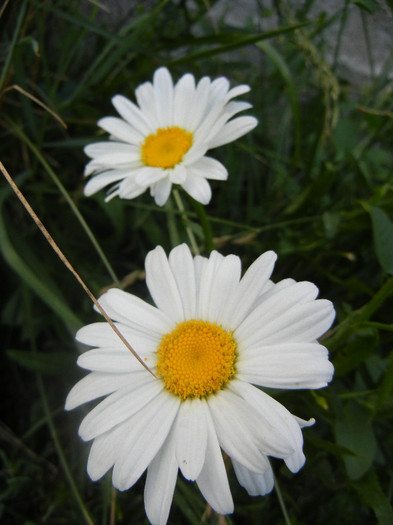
{"points": [[212, 340], [164, 139]]}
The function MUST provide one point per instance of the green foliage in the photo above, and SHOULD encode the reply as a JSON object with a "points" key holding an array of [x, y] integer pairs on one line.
{"points": [[313, 182]]}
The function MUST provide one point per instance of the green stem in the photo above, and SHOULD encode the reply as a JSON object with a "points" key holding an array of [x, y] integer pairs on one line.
{"points": [[205, 224], [281, 501], [70, 202], [186, 222]]}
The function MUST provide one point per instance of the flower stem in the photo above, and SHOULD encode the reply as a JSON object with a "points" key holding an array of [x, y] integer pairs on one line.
{"points": [[281, 501], [205, 224], [186, 222]]}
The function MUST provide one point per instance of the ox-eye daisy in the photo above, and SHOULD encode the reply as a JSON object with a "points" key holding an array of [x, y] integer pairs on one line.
{"points": [[164, 139], [210, 338]]}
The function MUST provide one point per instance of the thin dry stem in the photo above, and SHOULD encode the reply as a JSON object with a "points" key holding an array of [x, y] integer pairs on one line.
{"points": [[68, 265], [37, 101]]}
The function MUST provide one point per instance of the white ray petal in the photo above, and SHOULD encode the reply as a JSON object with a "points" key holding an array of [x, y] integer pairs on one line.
{"points": [[111, 360], [134, 312], [213, 480], [101, 180], [286, 365], [234, 431], [160, 483], [163, 96], [243, 297], [209, 168], [191, 437], [120, 406], [183, 101], [232, 130], [121, 130], [95, 385], [133, 115], [161, 190], [255, 484], [197, 187], [283, 422], [182, 266], [301, 323], [147, 432], [162, 284]]}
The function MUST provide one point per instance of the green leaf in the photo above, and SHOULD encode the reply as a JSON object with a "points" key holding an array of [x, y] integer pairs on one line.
{"points": [[354, 431], [386, 384], [356, 350], [383, 238], [34, 281], [44, 363], [367, 5], [372, 494]]}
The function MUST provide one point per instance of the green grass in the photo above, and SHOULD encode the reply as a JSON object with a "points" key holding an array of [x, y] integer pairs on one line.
{"points": [[313, 182]]}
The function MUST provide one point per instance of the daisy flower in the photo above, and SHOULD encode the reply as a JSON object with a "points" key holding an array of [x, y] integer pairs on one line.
{"points": [[163, 139], [212, 340]]}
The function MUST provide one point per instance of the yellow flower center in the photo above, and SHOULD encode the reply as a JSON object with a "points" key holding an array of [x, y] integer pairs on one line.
{"points": [[166, 148], [196, 359]]}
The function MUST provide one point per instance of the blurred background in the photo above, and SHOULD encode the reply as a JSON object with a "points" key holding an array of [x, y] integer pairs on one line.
{"points": [[313, 182]]}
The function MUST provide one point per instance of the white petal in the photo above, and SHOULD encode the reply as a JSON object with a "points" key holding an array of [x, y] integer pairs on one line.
{"points": [[160, 483], [210, 169], [103, 451], [222, 285], [148, 175], [145, 97], [129, 188], [191, 437], [274, 304], [219, 90], [301, 323], [213, 480], [232, 130], [178, 174], [286, 365], [120, 406], [102, 334], [277, 415], [255, 484], [94, 385], [237, 91], [207, 302], [198, 188], [133, 115], [109, 360], [161, 190], [163, 94], [97, 182], [147, 431], [183, 101], [133, 312], [112, 152], [242, 299], [197, 108], [162, 284], [182, 266], [235, 434], [121, 130]]}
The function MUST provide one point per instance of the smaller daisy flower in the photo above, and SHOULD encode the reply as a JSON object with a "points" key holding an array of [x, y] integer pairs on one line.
{"points": [[164, 139], [212, 340]]}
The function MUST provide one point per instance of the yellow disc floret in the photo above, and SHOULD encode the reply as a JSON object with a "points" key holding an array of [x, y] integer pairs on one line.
{"points": [[196, 359], [166, 147]]}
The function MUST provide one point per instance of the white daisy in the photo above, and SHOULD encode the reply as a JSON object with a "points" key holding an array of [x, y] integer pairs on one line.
{"points": [[210, 338], [163, 140]]}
